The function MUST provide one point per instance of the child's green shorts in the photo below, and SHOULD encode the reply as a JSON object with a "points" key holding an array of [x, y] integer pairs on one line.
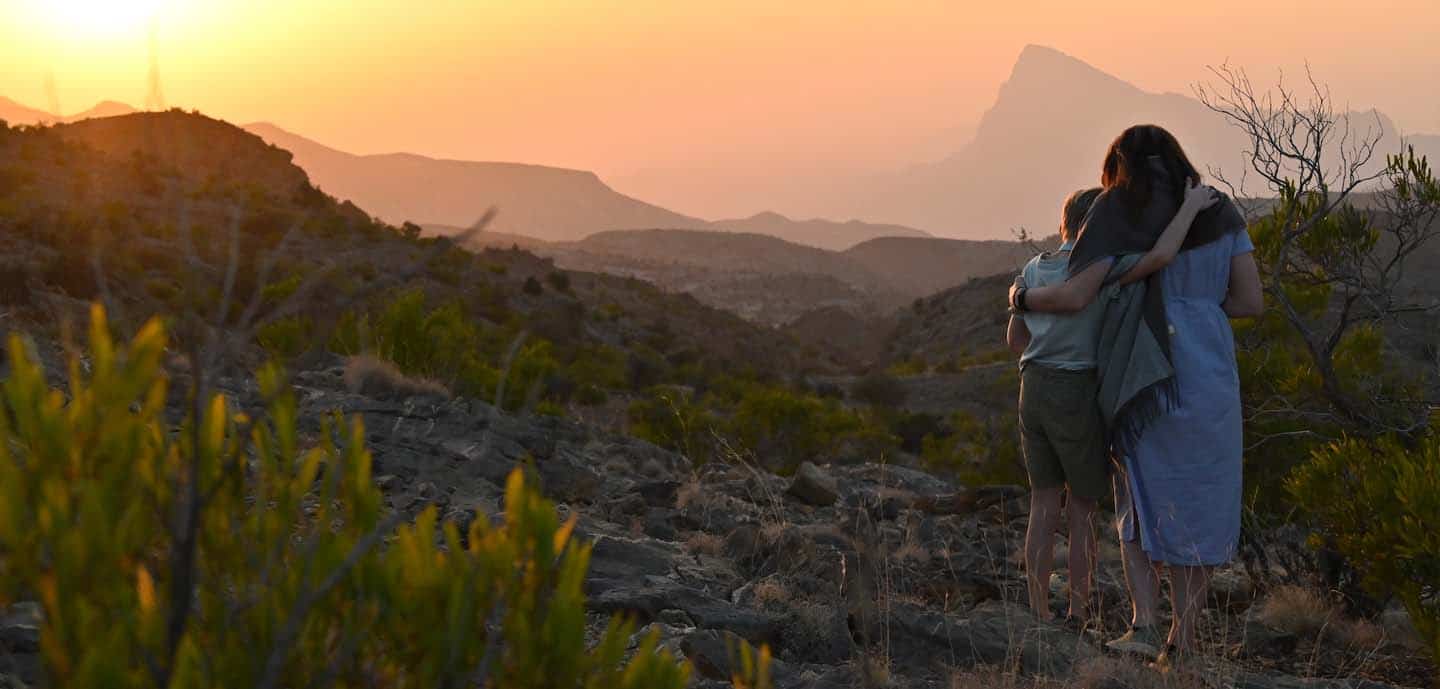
{"points": [[1062, 432]]}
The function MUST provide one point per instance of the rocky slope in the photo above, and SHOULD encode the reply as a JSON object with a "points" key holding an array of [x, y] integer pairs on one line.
{"points": [[860, 575]]}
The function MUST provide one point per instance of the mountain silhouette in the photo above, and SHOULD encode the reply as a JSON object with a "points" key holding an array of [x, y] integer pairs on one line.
{"points": [[826, 234], [553, 204], [16, 114], [548, 203], [1045, 137]]}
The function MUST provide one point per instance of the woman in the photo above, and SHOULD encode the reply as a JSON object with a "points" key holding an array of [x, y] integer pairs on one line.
{"points": [[1170, 386]]}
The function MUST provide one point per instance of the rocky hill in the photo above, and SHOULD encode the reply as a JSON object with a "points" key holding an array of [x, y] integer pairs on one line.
{"points": [[773, 281], [206, 151], [826, 234], [924, 266]]}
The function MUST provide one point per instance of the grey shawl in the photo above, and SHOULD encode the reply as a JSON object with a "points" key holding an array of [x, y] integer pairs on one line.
{"points": [[1131, 362]]}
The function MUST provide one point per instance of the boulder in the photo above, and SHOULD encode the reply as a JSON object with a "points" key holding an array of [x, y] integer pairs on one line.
{"points": [[715, 655], [20, 628], [813, 486]]}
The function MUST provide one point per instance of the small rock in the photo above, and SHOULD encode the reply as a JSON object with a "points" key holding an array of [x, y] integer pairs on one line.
{"points": [[1400, 628], [658, 493], [675, 618], [20, 627], [1231, 588], [813, 486], [388, 482], [1261, 639], [714, 654]]}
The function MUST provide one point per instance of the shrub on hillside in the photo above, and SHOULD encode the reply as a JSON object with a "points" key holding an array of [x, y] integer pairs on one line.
{"points": [[880, 389], [560, 280], [222, 554], [1378, 503], [368, 375], [977, 451], [671, 416]]}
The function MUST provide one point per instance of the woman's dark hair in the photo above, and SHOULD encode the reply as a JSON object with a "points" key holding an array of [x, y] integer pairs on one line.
{"points": [[1129, 173]]}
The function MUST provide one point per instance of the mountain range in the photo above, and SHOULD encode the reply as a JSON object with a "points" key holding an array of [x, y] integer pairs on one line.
{"points": [[549, 203], [1043, 137], [17, 114]]}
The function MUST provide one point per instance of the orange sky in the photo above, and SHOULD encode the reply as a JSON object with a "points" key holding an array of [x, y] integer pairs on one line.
{"points": [[741, 87]]}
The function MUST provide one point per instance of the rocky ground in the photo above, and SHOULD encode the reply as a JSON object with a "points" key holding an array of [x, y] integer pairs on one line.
{"points": [[856, 576]]}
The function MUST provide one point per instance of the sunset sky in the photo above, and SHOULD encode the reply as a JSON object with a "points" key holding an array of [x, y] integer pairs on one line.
{"points": [[740, 88]]}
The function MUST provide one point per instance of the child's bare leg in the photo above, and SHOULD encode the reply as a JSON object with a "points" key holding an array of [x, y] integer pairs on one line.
{"points": [[1040, 547], [1081, 513]]}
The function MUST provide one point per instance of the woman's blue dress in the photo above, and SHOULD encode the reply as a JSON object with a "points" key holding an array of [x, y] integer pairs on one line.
{"points": [[1184, 472]]}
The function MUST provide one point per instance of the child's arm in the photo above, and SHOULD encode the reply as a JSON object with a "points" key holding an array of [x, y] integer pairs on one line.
{"points": [[1017, 335], [1071, 296], [1197, 198]]}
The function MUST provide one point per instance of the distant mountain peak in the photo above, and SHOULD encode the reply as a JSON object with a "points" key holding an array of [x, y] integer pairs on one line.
{"points": [[1048, 67]]}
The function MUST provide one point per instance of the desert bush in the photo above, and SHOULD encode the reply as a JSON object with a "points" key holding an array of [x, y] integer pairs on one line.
{"points": [[440, 344], [977, 451], [1298, 610], [533, 287], [222, 554], [560, 280], [1378, 503], [672, 417], [285, 338], [880, 389], [379, 378], [785, 427]]}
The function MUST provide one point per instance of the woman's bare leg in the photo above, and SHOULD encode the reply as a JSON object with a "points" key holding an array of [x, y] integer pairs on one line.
{"points": [[1188, 588], [1081, 513], [1040, 548], [1144, 583]]}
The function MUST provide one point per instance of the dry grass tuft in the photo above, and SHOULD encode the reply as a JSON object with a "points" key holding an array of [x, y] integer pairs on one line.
{"points": [[368, 375], [771, 591], [705, 544], [1359, 635], [1297, 610], [1117, 673], [687, 494]]}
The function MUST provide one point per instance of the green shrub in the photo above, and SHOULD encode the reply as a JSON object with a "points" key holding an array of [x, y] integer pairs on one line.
{"points": [[915, 366], [560, 280], [784, 428], [533, 287], [880, 389], [1378, 503], [977, 451], [285, 338], [222, 554], [671, 416]]}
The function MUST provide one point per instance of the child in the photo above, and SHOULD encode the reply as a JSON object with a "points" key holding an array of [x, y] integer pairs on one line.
{"points": [[1061, 429]]}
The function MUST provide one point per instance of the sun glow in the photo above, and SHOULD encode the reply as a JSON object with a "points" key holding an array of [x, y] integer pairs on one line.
{"points": [[99, 18]]}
